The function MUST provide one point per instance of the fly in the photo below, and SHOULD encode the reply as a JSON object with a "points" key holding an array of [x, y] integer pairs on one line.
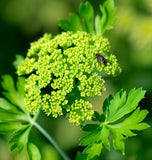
{"points": [[101, 58]]}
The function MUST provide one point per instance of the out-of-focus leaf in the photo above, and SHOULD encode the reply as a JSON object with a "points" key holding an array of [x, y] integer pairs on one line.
{"points": [[33, 151], [19, 59], [74, 23], [98, 25], [11, 93], [81, 156], [4, 104], [108, 15], [9, 127], [14, 117], [90, 23], [20, 139], [8, 115], [86, 12]]}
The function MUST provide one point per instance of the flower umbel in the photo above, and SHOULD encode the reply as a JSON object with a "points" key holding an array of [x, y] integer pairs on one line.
{"points": [[63, 71]]}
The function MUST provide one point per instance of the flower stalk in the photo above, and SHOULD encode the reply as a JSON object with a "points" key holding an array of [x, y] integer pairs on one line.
{"points": [[52, 141]]}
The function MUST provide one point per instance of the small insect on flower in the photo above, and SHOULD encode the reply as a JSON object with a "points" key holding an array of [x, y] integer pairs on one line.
{"points": [[101, 58]]}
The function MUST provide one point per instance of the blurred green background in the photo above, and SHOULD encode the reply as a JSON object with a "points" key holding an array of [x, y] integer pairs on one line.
{"points": [[24, 21]]}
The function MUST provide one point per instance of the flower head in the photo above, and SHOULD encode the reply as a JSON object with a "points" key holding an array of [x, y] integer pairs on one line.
{"points": [[63, 71]]}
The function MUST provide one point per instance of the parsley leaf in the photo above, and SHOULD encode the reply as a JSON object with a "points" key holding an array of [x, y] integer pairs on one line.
{"points": [[86, 12], [74, 23], [15, 119], [33, 152], [88, 22], [108, 15], [121, 117]]}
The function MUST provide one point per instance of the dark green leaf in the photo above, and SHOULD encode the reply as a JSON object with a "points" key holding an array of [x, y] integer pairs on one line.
{"points": [[102, 118], [13, 146], [97, 115], [81, 156], [105, 104], [90, 127]]}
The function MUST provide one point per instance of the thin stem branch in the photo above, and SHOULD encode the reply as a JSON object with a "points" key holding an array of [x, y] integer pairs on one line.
{"points": [[35, 117], [52, 141]]}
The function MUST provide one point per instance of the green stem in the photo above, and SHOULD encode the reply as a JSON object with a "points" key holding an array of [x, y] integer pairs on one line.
{"points": [[35, 117], [51, 140]]}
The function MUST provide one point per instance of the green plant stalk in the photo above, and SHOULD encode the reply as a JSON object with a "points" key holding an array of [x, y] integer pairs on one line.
{"points": [[52, 141]]}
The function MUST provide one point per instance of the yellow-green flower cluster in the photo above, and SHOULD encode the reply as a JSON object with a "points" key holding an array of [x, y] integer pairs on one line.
{"points": [[79, 111], [33, 98], [63, 71], [89, 86]]}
